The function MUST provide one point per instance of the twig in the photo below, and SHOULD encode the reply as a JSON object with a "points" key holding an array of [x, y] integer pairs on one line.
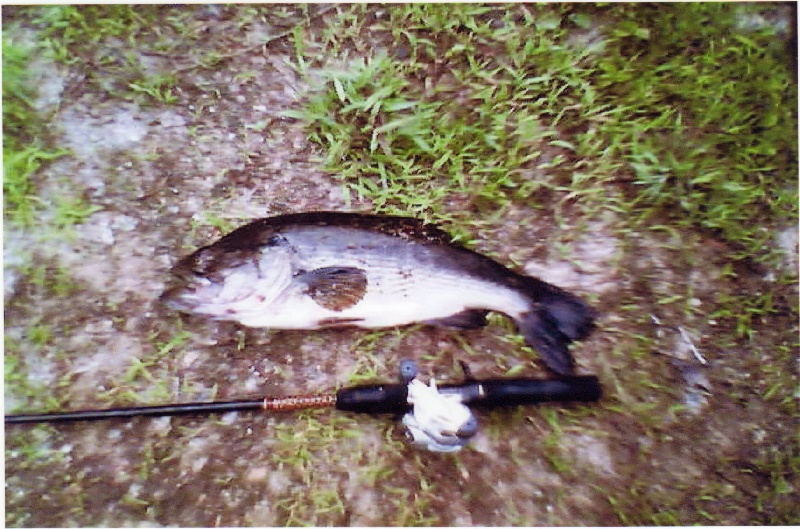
{"points": [[684, 336]]}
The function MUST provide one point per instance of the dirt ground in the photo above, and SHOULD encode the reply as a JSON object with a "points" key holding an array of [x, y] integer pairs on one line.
{"points": [[697, 443]]}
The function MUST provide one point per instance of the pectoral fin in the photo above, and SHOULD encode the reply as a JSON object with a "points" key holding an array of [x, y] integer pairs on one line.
{"points": [[335, 287]]}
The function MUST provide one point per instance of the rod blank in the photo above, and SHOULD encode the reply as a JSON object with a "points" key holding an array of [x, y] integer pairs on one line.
{"points": [[137, 411]]}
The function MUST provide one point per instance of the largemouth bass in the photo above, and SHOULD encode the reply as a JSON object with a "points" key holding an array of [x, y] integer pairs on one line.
{"points": [[328, 269]]}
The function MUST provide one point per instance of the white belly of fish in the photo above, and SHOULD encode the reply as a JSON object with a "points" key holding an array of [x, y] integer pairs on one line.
{"points": [[392, 299]]}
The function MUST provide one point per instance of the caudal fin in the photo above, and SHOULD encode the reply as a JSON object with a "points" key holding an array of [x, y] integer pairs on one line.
{"points": [[556, 319]]}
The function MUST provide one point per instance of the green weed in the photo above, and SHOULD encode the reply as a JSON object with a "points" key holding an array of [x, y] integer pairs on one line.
{"points": [[746, 311], [70, 211], [54, 280], [18, 383], [411, 508], [71, 30], [304, 445], [513, 110], [159, 88], [553, 443], [17, 92], [23, 144]]}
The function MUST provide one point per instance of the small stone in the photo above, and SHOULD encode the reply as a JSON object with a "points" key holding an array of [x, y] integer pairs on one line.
{"points": [[257, 474]]}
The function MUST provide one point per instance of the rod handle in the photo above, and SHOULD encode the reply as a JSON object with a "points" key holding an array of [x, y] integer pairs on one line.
{"points": [[501, 392], [374, 398], [489, 393]]}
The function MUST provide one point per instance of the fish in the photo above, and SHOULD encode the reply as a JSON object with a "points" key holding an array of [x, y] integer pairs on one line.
{"points": [[322, 269]]}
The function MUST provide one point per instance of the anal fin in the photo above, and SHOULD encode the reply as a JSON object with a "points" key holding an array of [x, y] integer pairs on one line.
{"points": [[464, 320]]}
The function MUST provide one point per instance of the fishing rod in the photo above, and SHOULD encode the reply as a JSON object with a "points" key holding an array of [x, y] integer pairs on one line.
{"points": [[433, 414], [372, 399]]}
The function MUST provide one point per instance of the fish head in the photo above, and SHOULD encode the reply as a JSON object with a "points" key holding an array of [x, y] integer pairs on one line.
{"points": [[223, 282]]}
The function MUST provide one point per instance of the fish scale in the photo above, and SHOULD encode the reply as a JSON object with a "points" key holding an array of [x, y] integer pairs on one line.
{"points": [[391, 279], [401, 273]]}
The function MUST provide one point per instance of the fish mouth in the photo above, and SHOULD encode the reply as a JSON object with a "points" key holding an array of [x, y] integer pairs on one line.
{"points": [[186, 293]]}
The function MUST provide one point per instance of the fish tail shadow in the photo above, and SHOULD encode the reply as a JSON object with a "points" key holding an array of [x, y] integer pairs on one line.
{"points": [[556, 319]]}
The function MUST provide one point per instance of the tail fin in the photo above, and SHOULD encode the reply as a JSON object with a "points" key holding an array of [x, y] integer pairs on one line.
{"points": [[556, 319]]}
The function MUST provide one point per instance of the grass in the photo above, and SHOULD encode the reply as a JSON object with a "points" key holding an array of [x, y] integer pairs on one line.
{"points": [[160, 88], [150, 379], [17, 382], [775, 502], [36, 341], [303, 447], [306, 446], [27, 148], [24, 149], [77, 34], [553, 443], [515, 113]]}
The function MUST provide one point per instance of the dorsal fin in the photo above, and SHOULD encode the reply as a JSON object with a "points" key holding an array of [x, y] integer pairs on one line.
{"points": [[262, 231]]}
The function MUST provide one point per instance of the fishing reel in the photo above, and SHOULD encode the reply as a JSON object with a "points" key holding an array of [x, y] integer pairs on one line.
{"points": [[439, 422], [439, 418]]}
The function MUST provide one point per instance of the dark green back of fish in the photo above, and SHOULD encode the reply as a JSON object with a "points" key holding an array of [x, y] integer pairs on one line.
{"points": [[259, 232]]}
